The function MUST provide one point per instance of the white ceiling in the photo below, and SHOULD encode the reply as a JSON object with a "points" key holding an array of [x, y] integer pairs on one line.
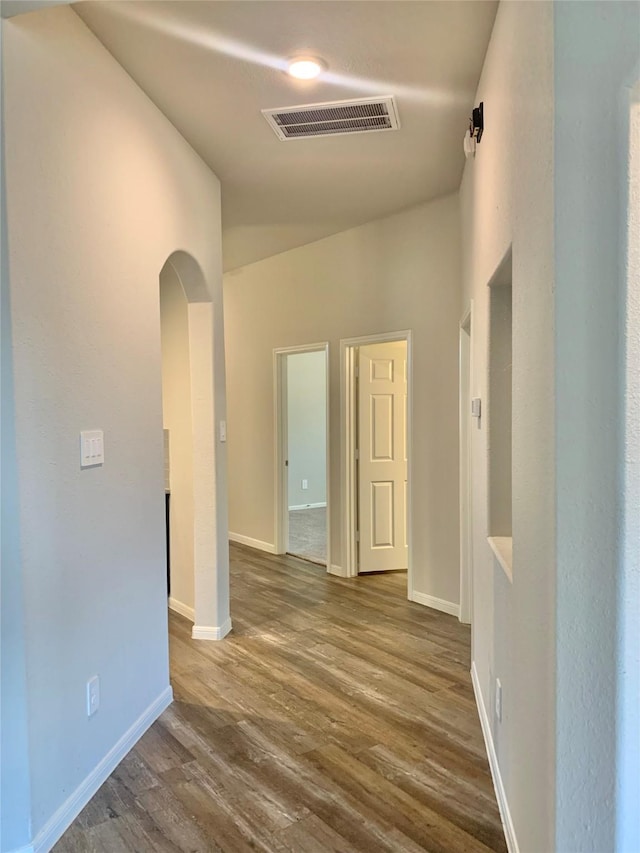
{"points": [[10, 8], [212, 65]]}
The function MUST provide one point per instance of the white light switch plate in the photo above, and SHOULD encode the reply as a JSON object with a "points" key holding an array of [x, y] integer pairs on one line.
{"points": [[91, 448]]}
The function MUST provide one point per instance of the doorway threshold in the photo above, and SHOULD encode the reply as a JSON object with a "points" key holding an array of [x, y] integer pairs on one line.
{"points": [[313, 562]]}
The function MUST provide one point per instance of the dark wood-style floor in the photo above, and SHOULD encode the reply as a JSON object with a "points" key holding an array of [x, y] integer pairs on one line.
{"points": [[336, 717]]}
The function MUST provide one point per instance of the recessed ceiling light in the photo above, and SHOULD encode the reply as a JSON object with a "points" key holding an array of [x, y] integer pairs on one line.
{"points": [[305, 67]]}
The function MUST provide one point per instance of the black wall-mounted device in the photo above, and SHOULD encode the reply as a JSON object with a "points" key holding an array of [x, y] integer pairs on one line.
{"points": [[476, 126]]}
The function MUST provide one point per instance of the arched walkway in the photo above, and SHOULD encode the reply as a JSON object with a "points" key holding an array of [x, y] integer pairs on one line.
{"points": [[210, 587]]}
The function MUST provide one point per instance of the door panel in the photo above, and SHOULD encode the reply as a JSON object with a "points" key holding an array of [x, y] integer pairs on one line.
{"points": [[382, 514], [382, 427], [382, 368], [382, 472]]}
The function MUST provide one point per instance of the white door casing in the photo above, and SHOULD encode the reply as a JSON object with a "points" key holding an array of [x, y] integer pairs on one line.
{"points": [[465, 426], [382, 446]]}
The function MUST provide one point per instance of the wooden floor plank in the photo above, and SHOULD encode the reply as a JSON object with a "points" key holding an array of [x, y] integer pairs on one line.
{"points": [[337, 716]]}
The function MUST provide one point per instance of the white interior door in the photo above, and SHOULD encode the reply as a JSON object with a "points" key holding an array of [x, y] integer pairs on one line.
{"points": [[382, 446]]}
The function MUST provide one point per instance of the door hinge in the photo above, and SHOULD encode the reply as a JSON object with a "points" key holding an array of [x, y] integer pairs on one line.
{"points": [[357, 373], [357, 454], [357, 535], [286, 463]]}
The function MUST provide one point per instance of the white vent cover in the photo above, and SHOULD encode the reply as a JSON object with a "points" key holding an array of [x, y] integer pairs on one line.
{"points": [[363, 115]]}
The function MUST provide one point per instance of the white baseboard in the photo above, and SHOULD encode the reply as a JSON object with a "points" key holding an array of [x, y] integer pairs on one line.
{"points": [[338, 571], [206, 632], [182, 609], [71, 808], [501, 796], [308, 506], [252, 543], [436, 603]]}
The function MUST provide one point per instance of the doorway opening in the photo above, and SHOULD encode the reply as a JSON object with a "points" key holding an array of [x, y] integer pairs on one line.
{"points": [[302, 452], [376, 450], [178, 441], [198, 561]]}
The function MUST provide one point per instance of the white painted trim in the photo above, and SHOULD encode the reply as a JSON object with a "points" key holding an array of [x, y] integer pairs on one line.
{"points": [[71, 808], [440, 604], [628, 775], [338, 571], [280, 474], [307, 506], [182, 609], [501, 796], [206, 632], [348, 406], [321, 346], [382, 338], [252, 543], [466, 470]]}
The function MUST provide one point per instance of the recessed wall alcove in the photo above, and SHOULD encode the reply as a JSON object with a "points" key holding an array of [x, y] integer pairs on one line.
{"points": [[500, 413]]}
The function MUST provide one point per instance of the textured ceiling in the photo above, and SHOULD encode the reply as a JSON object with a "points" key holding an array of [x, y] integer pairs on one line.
{"points": [[211, 67]]}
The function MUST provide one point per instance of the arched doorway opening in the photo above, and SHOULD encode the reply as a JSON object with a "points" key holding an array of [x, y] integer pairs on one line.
{"points": [[198, 576]]}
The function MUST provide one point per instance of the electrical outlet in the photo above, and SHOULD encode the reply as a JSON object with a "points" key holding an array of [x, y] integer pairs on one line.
{"points": [[498, 700], [305, 484], [93, 695]]}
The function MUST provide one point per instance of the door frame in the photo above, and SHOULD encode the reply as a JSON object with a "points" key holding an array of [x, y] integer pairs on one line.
{"points": [[465, 465], [348, 441], [281, 502]]}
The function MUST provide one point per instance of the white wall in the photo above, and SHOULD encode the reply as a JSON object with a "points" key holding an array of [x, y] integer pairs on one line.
{"points": [[307, 427], [15, 796], [176, 411], [551, 177], [597, 62], [396, 273], [506, 197], [101, 189]]}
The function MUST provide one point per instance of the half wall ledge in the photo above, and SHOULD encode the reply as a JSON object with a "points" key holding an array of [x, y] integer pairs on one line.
{"points": [[502, 547]]}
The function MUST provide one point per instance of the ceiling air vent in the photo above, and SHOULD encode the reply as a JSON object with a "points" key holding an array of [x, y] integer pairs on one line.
{"points": [[364, 115]]}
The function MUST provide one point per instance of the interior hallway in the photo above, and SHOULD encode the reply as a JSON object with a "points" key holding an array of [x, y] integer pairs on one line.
{"points": [[336, 717]]}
